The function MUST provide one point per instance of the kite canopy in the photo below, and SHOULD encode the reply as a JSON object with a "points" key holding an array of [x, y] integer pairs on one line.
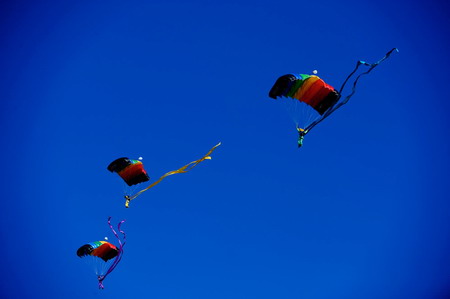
{"points": [[131, 171], [308, 89], [101, 249]]}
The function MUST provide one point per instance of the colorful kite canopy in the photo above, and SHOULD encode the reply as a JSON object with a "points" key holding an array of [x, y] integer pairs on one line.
{"points": [[131, 171], [308, 89], [100, 249]]}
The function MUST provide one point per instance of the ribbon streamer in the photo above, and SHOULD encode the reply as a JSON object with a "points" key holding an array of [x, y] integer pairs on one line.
{"points": [[183, 169]]}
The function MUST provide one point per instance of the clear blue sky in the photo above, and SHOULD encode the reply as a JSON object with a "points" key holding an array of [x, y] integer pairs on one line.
{"points": [[361, 211]]}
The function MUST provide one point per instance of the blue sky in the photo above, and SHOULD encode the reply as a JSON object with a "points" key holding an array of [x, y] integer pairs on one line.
{"points": [[361, 211]]}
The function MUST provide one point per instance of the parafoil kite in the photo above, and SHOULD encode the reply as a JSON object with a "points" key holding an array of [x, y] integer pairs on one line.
{"points": [[310, 100], [102, 255], [133, 173]]}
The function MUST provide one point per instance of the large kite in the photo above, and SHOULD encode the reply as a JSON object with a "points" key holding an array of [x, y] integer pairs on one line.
{"points": [[310, 100]]}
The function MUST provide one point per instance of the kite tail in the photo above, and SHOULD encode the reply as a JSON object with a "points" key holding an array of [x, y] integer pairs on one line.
{"points": [[355, 82], [119, 255], [183, 169], [100, 282]]}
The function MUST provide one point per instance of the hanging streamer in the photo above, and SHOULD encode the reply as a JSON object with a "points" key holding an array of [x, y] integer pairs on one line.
{"points": [[119, 255], [183, 169]]}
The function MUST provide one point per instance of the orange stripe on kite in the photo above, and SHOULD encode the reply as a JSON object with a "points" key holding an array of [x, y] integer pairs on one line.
{"points": [[310, 95], [102, 250], [308, 83]]}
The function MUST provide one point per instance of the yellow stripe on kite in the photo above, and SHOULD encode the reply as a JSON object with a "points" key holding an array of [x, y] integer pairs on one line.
{"points": [[301, 92]]}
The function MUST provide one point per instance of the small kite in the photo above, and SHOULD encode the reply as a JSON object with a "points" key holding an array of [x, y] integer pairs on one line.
{"points": [[310, 100], [133, 173], [103, 256]]}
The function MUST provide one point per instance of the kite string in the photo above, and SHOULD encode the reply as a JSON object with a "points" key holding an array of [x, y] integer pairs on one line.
{"points": [[347, 98], [183, 169], [119, 255]]}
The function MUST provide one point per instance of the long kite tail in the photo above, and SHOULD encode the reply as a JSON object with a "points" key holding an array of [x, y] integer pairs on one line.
{"points": [[119, 255], [355, 82], [183, 169]]}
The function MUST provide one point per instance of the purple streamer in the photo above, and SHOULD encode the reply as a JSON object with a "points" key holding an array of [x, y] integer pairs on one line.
{"points": [[119, 255]]}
